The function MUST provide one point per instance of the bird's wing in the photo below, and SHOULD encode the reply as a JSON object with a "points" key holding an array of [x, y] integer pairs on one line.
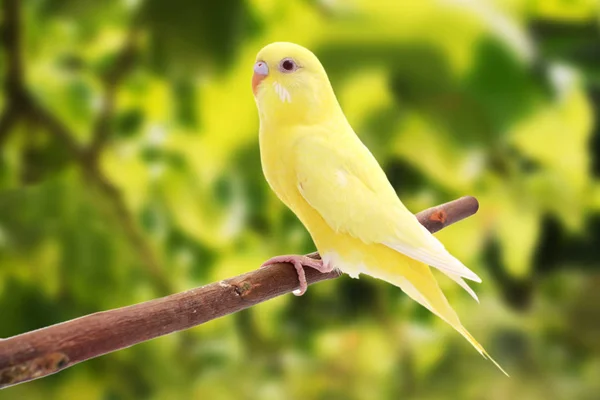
{"points": [[344, 183]]}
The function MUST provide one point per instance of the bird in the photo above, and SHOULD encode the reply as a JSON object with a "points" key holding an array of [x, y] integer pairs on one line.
{"points": [[319, 168]]}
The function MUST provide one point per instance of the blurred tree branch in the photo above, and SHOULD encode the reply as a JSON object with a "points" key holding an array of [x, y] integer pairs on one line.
{"points": [[21, 105], [48, 350], [10, 38], [122, 65]]}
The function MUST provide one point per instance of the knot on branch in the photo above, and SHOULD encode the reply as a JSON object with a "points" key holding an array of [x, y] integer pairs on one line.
{"points": [[439, 216], [241, 289]]}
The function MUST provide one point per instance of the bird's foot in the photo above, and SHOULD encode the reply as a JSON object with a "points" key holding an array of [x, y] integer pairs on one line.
{"points": [[298, 262]]}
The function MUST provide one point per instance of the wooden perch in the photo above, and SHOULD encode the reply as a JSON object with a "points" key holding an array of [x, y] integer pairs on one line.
{"points": [[48, 350]]}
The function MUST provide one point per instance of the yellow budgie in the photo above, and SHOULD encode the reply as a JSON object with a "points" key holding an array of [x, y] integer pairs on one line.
{"points": [[319, 168]]}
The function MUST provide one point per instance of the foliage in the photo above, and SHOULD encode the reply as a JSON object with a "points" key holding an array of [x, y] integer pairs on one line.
{"points": [[163, 191]]}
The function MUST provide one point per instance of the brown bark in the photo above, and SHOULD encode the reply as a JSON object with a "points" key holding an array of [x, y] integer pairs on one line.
{"points": [[48, 350]]}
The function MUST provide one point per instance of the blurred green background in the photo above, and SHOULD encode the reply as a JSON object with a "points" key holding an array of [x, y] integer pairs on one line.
{"points": [[129, 169]]}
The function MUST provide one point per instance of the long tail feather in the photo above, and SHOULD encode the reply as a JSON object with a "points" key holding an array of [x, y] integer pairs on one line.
{"points": [[417, 281], [462, 330]]}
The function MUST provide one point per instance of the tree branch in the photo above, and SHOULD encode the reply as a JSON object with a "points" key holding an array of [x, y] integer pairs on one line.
{"points": [[48, 350], [41, 116], [10, 38], [122, 65], [11, 41], [160, 281], [95, 176], [7, 119], [20, 104]]}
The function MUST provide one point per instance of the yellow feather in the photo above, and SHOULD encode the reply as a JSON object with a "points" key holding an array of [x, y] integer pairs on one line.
{"points": [[319, 168]]}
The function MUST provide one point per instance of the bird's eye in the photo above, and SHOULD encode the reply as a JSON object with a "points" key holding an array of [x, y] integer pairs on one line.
{"points": [[287, 65]]}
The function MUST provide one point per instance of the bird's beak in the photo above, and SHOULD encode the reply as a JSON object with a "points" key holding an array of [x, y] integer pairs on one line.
{"points": [[261, 70]]}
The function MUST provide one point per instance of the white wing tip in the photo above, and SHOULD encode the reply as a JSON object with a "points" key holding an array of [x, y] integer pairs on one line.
{"points": [[472, 276], [464, 285], [436, 256], [458, 268]]}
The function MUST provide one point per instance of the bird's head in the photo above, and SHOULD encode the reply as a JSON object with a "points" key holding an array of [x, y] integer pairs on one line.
{"points": [[290, 84]]}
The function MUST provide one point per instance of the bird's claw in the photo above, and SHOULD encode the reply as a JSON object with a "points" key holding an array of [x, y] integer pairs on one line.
{"points": [[299, 262]]}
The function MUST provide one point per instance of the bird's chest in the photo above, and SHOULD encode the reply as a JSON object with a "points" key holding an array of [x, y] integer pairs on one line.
{"points": [[277, 160]]}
